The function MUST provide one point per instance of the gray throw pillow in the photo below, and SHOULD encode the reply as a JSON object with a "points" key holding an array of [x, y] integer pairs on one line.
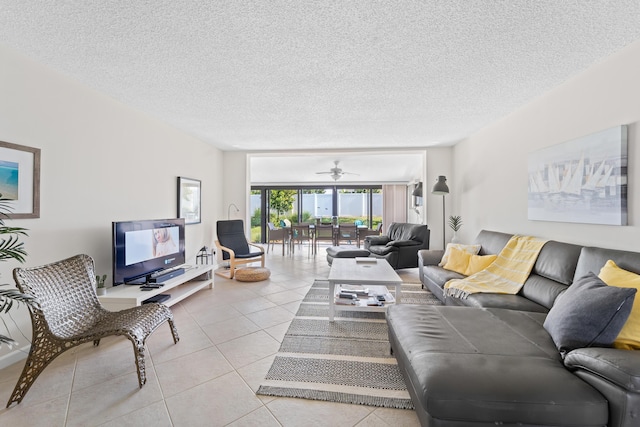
{"points": [[588, 314]]}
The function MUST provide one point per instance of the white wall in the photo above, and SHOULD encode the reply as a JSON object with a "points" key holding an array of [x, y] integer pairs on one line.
{"points": [[236, 188], [101, 162], [490, 175], [236, 185], [439, 162]]}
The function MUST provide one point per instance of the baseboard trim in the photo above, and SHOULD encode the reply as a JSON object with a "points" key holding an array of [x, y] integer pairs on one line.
{"points": [[15, 356]]}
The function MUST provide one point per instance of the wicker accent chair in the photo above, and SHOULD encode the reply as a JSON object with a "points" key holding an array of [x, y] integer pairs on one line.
{"points": [[67, 313]]}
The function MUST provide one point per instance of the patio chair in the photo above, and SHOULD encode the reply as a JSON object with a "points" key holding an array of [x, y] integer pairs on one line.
{"points": [[324, 233], [301, 233], [235, 248], [346, 233], [275, 234], [67, 313]]}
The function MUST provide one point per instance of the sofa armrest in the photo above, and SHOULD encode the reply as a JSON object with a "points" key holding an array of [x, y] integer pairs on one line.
{"points": [[376, 240], [621, 367], [430, 256], [402, 243]]}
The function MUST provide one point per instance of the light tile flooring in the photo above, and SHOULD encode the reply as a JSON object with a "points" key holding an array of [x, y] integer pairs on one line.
{"points": [[229, 336]]}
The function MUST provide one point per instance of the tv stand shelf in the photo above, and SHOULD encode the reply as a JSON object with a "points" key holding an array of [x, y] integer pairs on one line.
{"points": [[195, 278]]}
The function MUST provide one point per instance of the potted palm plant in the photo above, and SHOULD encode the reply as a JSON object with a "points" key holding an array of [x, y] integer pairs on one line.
{"points": [[455, 223], [10, 248]]}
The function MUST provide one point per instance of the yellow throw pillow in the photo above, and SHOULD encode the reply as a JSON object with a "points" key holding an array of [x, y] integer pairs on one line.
{"points": [[471, 249], [612, 275], [457, 261], [479, 263]]}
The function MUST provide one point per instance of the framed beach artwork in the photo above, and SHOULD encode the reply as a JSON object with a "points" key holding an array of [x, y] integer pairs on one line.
{"points": [[20, 179], [583, 180], [189, 199]]}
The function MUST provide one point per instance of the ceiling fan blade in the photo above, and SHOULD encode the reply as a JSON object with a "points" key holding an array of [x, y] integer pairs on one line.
{"points": [[336, 172]]}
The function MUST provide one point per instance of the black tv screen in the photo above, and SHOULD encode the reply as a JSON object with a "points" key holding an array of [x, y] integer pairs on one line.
{"points": [[141, 248]]}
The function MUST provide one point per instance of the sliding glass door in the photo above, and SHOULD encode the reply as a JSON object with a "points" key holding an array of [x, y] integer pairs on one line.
{"points": [[314, 204]]}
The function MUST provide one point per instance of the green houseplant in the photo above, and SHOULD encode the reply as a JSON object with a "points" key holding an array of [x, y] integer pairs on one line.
{"points": [[455, 223], [101, 289], [10, 248]]}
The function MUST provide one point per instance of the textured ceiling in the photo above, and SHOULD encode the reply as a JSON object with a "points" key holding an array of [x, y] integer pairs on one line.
{"points": [[321, 75]]}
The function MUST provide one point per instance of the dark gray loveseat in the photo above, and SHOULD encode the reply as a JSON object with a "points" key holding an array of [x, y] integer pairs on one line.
{"points": [[488, 360], [400, 245]]}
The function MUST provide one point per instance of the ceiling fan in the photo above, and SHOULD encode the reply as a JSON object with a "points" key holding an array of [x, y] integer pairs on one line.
{"points": [[336, 172]]}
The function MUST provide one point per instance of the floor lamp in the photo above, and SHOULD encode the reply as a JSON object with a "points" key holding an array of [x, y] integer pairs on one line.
{"points": [[441, 189]]}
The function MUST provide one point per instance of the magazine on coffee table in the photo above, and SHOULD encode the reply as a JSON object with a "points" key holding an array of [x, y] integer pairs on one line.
{"points": [[374, 296], [359, 290]]}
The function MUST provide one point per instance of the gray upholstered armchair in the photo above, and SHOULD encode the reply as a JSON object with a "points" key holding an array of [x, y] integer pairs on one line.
{"points": [[400, 245]]}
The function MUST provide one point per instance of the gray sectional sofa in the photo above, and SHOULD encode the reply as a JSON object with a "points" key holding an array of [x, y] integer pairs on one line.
{"points": [[488, 359]]}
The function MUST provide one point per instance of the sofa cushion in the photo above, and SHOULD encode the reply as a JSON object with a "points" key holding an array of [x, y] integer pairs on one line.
{"points": [[491, 242], [403, 243], [511, 302], [593, 259], [440, 275], [382, 250], [458, 260], [478, 263], [467, 264], [407, 231], [557, 261], [489, 366], [589, 313], [552, 273], [471, 249], [376, 240], [346, 251], [541, 290], [611, 274]]}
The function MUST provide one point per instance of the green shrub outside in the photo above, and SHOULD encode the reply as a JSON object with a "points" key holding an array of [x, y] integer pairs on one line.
{"points": [[255, 218]]}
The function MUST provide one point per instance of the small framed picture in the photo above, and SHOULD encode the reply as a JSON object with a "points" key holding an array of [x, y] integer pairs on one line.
{"points": [[189, 200], [20, 179]]}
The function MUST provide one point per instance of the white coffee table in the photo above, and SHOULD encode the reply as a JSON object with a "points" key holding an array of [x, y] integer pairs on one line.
{"points": [[361, 271]]}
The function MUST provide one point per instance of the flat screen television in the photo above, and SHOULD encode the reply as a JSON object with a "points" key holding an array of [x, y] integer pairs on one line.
{"points": [[144, 248]]}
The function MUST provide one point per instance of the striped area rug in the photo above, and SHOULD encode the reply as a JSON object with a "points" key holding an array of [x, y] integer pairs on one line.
{"points": [[346, 361]]}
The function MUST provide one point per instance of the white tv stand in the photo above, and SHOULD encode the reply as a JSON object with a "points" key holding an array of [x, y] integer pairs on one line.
{"points": [[195, 278]]}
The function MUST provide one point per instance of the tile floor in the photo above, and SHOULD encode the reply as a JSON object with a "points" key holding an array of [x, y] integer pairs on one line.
{"points": [[229, 336]]}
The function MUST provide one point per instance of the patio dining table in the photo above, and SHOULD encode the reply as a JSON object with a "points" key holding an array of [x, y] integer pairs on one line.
{"points": [[288, 242]]}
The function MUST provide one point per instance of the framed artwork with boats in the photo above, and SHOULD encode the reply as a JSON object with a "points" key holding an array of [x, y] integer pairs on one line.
{"points": [[583, 180]]}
